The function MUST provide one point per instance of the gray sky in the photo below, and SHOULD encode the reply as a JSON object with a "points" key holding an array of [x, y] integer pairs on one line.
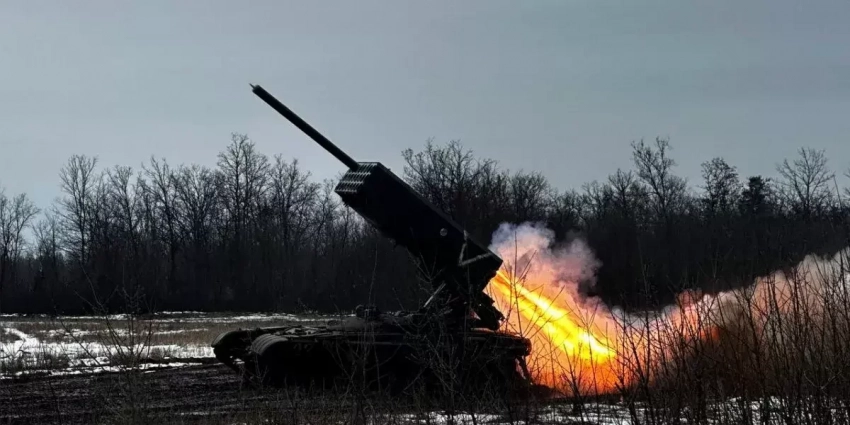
{"points": [[557, 86]]}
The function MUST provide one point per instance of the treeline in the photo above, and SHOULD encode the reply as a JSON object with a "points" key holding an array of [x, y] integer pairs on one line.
{"points": [[259, 233]]}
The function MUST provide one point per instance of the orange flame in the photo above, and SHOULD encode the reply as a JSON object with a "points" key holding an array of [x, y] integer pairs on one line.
{"points": [[575, 350], [580, 346], [565, 351]]}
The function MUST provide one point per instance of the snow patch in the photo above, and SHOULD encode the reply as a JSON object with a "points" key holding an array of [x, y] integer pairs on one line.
{"points": [[87, 370], [58, 347]]}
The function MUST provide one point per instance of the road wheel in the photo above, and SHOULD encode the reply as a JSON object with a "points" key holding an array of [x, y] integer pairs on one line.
{"points": [[268, 351]]}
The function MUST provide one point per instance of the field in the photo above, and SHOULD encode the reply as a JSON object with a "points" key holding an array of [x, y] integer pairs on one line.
{"points": [[160, 369], [121, 369], [42, 345]]}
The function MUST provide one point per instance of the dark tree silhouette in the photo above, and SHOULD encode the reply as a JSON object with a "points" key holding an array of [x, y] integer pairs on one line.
{"points": [[805, 183], [15, 215], [254, 233]]}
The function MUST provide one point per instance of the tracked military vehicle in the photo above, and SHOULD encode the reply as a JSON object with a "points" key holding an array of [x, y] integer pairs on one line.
{"points": [[453, 340]]}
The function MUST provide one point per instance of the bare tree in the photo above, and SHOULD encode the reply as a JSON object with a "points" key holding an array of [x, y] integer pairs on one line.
{"points": [[721, 185], [122, 203], [654, 167], [78, 184], [448, 176], [565, 211], [757, 198], [197, 194], [122, 197], [196, 205], [493, 202], [528, 196], [104, 253], [164, 197], [596, 198], [244, 178], [47, 232], [292, 198], [805, 182], [15, 215], [327, 206], [244, 181], [628, 194], [47, 239]]}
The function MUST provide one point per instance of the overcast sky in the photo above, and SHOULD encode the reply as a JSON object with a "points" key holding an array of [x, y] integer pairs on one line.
{"points": [[558, 86]]}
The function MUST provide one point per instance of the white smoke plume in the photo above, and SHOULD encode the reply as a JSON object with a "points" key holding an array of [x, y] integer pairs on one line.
{"points": [[530, 248]]}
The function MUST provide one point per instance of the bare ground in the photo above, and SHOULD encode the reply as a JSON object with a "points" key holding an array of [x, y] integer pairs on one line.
{"points": [[195, 394], [208, 393], [199, 390]]}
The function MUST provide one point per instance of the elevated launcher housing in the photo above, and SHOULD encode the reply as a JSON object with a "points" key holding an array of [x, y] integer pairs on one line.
{"points": [[458, 266]]}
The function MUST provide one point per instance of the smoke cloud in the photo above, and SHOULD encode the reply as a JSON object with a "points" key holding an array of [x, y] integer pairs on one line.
{"points": [[530, 249]]}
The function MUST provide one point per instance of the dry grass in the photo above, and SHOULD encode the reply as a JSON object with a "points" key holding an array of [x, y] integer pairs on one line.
{"points": [[36, 360], [7, 337]]}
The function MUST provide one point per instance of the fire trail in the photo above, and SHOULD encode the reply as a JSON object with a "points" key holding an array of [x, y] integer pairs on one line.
{"points": [[566, 351]]}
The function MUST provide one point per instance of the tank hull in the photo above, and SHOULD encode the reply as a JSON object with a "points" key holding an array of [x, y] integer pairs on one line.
{"points": [[378, 354]]}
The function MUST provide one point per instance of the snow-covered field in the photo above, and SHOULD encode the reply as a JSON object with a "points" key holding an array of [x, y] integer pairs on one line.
{"points": [[88, 344]]}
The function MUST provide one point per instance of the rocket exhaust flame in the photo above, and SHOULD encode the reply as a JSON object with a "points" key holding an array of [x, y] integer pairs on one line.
{"points": [[573, 348], [582, 347], [563, 349]]}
